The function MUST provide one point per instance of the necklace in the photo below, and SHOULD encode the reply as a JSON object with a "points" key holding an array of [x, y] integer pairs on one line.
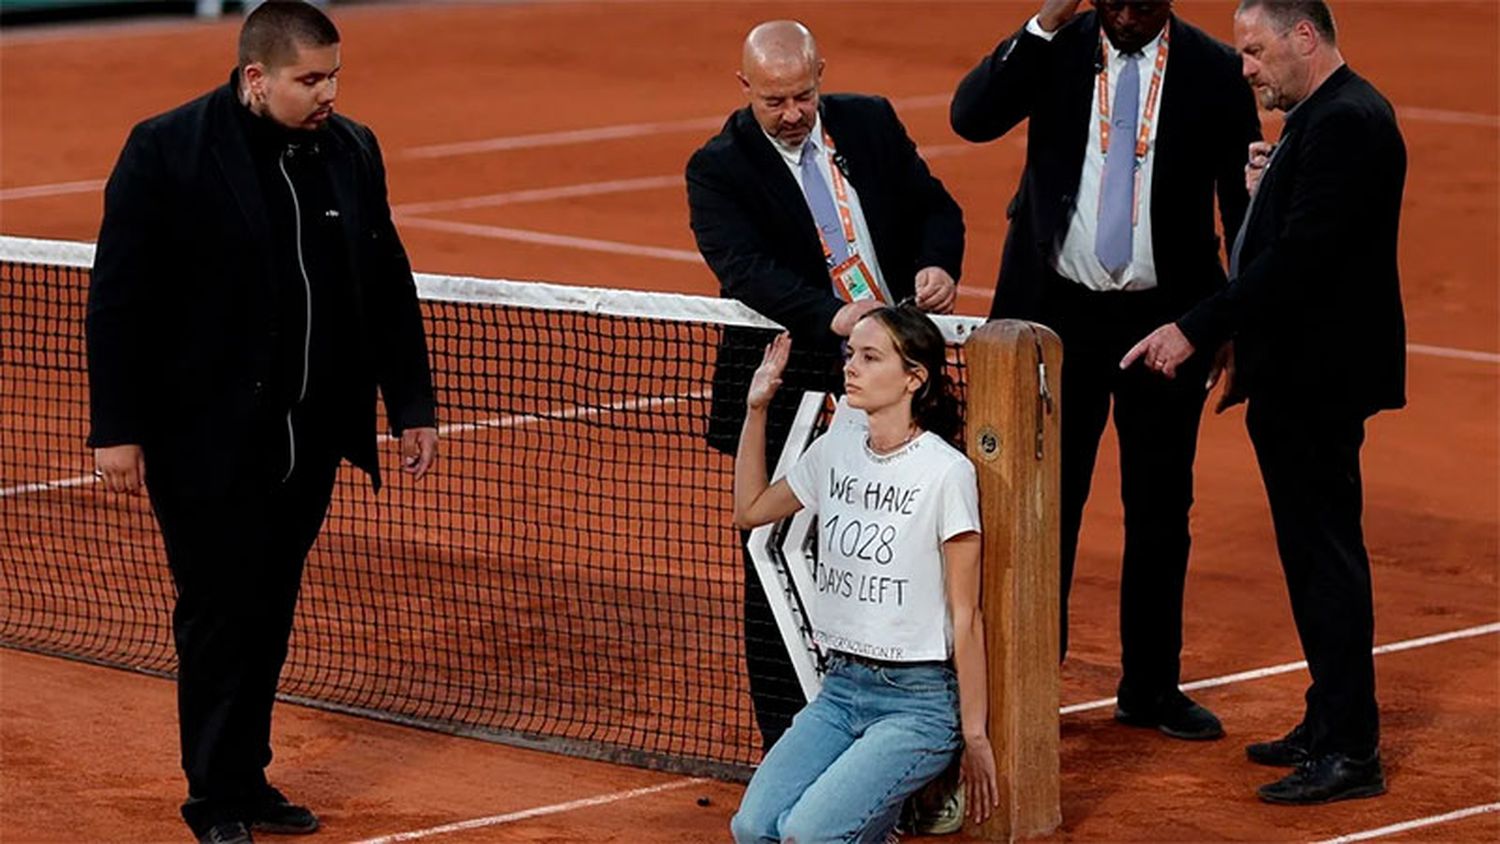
{"points": [[911, 435]]}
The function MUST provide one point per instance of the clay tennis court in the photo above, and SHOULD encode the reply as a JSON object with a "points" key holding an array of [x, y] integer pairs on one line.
{"points": [[547, 140]]}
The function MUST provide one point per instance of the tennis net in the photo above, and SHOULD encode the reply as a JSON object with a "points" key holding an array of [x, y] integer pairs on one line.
{"points": [[569, 579]]}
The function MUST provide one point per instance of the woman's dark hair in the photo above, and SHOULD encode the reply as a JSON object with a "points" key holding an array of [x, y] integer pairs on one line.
{"points": [[921, 345]]}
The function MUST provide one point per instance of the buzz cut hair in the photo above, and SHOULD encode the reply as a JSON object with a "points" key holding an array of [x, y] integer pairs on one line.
{"points": [[277, 29], [1286, 14]]}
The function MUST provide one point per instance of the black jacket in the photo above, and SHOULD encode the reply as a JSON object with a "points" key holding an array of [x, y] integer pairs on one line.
{"points": [[1207, 122], [1315, 311], [754, 229], [182, 324]]}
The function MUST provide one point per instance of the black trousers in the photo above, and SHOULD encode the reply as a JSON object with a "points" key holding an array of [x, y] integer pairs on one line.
{"points": [[236, 552], [1157, 423], [1309, 460]]}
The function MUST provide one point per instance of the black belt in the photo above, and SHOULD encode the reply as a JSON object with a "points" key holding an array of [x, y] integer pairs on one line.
{"points": [[871, 662]]}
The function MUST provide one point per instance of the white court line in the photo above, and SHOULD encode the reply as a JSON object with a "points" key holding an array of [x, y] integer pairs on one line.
{"points": [[1444, 352], [46, 486], [511, 421], [587, 244], [54, 189], [610, 133], [1289, 667], [1232, 678], [637, 130], [1397, 828], [518, 197], [540, 811], [563, 138], [1438, 115], [575, 412], [586, 189]]}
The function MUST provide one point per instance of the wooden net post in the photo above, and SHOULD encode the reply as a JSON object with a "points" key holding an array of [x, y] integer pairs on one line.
{"points": [[1014, 371]]}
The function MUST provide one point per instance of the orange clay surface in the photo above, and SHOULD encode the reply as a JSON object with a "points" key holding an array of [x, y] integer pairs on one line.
{"points": [[89, 754]]}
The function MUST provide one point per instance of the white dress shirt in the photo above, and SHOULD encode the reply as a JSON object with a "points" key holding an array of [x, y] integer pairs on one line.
{"points": [[1077, 260], [864, 245]]}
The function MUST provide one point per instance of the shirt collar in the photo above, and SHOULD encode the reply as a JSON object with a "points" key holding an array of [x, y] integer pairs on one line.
{"points": [[1148, 51], [793, 154], [1328, 84]]}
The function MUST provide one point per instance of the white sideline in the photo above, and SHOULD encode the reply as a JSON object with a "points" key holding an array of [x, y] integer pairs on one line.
{"points": [[1397, 828], [540, 811], [585, 244], [611, 132], [636, 130], [499, 422], [53, 189], [1289, 667], [582, 189], [599, 188], [1242, 676], [576, 412]]}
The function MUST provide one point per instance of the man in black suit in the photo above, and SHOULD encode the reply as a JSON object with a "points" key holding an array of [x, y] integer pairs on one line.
{"points": [[249, 293], [1314, 309], [812, 210], [1137, 121]]}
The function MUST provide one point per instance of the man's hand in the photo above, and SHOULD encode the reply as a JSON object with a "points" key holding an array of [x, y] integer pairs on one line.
{"points": [[767, 377], [937, 292], [418, 451], [1163, 350], [122, 468], [1224, 368], [1055, 13], [1260, 158], [848, 315]]}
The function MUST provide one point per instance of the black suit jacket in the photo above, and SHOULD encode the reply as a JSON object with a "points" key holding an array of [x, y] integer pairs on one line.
{"points": [[181, 316], [755, 231], [1206, 124], [1315, 311]]}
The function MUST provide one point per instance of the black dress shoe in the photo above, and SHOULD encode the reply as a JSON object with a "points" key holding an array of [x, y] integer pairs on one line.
{"points": [[1287, 751], [230, 832], [1175, 714], [280, 816], [1326, 778]]}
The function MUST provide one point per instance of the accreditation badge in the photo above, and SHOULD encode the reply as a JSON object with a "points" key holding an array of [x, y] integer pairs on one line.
{"points": [[854, 281]]}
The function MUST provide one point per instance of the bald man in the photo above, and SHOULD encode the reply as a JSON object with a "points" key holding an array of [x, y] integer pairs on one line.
{"points": [[812, 210]]}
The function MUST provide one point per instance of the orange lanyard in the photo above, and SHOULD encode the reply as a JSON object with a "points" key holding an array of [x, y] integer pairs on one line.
{"points": [[1148, 116], [840, 198]]}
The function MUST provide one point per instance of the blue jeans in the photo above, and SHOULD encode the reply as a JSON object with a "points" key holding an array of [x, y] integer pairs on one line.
{"points": [[869, 740]]}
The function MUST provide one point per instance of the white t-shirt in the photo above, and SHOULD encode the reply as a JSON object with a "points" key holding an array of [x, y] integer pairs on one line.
{"points": [[882, 521]]}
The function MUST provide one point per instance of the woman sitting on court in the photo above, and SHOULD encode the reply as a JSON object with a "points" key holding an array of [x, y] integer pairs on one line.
{"points": [[897, 600]]}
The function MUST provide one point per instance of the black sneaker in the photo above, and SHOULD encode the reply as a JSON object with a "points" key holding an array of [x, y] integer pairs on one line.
{"points": [[230, 832], [1288, 751], [280, 816], [1174, 714], [1326, 778]]}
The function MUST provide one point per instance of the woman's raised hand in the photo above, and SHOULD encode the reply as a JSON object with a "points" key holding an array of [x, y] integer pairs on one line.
{"points": [[768, 376]]}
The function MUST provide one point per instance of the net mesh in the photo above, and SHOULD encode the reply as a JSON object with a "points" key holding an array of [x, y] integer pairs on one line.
{"points": [[569, 579]]}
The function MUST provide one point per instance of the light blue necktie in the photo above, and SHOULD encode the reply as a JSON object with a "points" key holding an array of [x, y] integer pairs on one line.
{"points": [[1114, 241], [820, 202]]}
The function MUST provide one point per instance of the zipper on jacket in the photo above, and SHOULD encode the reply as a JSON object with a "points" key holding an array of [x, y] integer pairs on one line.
{"points": [[291, 435]]}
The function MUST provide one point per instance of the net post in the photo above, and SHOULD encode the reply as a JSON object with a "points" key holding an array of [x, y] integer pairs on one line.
{"points": [[1014, 376]]}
